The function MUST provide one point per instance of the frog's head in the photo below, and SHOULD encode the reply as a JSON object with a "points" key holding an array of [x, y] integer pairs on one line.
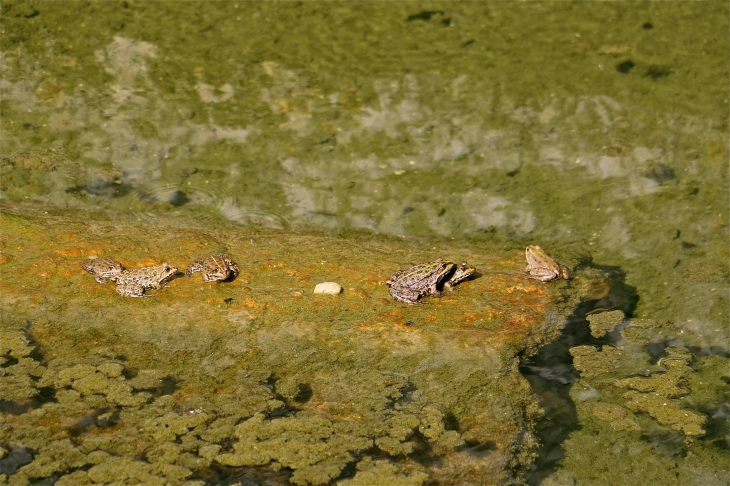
{"points": [[534, 253], [166, 273], [565, 272], [103, 267], [444, 268], [462, 273], [217, 274]]}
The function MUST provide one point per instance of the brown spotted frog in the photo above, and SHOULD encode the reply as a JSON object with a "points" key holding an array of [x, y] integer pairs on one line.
{"points": [[542, 267], [133, 283], [215, 268], [426, 279], [130, 283], [102, 268]]}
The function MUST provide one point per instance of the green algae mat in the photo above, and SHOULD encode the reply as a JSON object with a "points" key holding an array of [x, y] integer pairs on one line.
{"points": [[259, 378]]}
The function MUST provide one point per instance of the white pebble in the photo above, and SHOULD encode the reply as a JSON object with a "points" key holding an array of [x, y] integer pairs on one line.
{"points": [[332, 288]]}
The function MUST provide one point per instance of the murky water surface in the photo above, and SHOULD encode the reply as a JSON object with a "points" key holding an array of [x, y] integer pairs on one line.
{"points": [[596, 130]]}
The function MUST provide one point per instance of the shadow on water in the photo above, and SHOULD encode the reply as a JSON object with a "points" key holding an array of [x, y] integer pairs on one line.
{"points": [[551, 372], [249, 476], [17, 458]]}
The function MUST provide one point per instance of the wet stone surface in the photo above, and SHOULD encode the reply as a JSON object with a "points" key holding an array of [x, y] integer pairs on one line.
{"points": [[258, 375]]}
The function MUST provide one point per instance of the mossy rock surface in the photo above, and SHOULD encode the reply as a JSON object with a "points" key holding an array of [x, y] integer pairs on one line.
{"points": [[238, 373]]}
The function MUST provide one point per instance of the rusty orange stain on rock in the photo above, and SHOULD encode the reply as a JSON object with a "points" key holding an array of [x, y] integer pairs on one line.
{"points": [[44, 268], [470, 317], [394, 315], [357, 292], [269, 264], [147, 262], [69, 252], [249, 302]]}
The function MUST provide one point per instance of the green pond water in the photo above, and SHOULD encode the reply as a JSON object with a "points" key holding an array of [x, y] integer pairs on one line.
{"points": [[597, 129]]}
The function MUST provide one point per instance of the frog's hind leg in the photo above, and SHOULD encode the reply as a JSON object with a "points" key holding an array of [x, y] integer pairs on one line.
{"points": [[406, 295], [131, 290], [196, 266], [433, 291]]}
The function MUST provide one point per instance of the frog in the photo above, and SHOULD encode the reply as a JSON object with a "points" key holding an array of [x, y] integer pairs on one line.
{"points": [[425, 279], [215, 268], [541, 267], [102, 268], [133, 283], [460, 274]]}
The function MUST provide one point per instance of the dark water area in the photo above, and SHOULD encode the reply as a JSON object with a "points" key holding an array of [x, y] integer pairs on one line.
{"points": [[597, 130]]}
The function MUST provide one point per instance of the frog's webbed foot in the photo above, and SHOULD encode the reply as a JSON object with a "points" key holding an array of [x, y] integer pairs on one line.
{"points": [[100, 279]]}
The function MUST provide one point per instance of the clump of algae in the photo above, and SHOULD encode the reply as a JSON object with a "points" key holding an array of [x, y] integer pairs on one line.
{"points": [[19, 372], [317, 448], [604, 322], [654, 394], [371, 472], [178, 436], [649, 413], [591, 361]]}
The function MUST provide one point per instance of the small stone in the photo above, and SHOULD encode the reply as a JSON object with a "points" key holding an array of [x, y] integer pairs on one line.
{"points": [[332, 288]]}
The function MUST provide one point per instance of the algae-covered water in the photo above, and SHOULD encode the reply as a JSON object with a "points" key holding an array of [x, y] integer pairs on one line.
{"points": [[598, 130]]}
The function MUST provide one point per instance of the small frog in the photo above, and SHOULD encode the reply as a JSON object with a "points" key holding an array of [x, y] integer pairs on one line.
{"points": [[542, 267], [462, 273], [215, 268], [102, 268], [133, 283], [421, 280]]}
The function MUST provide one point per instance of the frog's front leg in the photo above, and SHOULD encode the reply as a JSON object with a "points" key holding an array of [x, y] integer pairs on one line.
{"points": [[405, 294], [433, 290], [131, 290]]}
